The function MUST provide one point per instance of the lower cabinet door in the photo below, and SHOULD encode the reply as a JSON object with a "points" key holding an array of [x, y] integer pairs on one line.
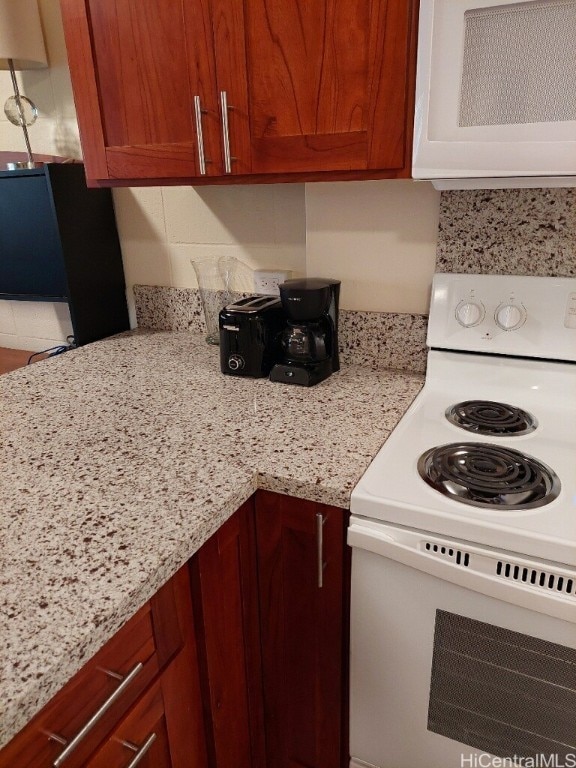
{"points": [[140, 739], [302, 575], [226, 616]]}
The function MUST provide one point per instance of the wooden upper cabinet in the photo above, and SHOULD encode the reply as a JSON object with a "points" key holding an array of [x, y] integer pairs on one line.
{"points": [[133, 87], [242, 90], [328, 84]]}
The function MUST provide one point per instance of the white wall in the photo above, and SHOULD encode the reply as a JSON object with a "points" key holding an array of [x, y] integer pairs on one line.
{"points": [[377, 237], [34, 325], [162, 229]]}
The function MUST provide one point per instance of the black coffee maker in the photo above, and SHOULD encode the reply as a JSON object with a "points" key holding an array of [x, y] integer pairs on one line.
{"points": [[310, 339]]}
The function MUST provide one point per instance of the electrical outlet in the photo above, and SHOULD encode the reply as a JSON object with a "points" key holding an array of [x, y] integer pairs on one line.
{"points": [[266, 281]]}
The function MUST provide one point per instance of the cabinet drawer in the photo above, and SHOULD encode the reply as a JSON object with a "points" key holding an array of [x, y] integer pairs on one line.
{"points": [[90, 705], [141, 739]]}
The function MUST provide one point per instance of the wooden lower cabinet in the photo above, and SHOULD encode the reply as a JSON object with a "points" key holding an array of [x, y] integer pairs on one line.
{"points": [[303, 583], [240, 659], [225, 597], [143, 735], [271, 595], [165, 729]]}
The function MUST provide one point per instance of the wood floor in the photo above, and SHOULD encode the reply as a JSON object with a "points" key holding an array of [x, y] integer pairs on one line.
{"points": [[10, 359]]}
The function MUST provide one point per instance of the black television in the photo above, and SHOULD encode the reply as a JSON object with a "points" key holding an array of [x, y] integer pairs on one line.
{"points": [[31, 263], [59, 242]]}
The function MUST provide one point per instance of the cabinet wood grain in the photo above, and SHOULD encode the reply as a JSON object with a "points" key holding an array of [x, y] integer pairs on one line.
{"points": [[304, 630], [132, 87], [316, 90], [225, 599], [333, 94]]}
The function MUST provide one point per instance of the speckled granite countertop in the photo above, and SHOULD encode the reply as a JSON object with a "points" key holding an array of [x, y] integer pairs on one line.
{"points": [[121, 458]]}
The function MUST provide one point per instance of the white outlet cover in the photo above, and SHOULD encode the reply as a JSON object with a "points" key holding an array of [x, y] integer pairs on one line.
{"points": [[266, 281]]}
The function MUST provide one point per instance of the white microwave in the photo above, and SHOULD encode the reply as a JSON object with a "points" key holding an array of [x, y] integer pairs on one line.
{"points": [[496, 93]]}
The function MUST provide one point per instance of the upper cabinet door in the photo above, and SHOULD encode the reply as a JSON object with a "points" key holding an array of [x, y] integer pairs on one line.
{"points": [[327, 84], [134, 89]]}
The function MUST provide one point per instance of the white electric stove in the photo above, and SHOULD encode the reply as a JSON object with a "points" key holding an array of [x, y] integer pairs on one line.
{"points": [[464, 539]]}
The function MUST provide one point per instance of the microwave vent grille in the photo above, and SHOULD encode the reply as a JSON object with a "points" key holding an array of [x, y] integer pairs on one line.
{"points": [[519, 64]]}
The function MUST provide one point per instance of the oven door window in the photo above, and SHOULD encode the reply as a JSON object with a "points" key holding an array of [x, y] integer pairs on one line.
{"points": [[502, 692]]}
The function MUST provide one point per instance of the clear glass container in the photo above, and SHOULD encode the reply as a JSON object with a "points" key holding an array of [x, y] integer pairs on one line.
{"points": [[215, 276]]}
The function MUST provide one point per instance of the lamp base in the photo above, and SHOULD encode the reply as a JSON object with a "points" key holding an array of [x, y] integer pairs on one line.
{"points": [[21, 111]]}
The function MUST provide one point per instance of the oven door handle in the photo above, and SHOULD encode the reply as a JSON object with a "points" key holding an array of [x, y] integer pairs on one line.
{"points": [[408, 547]]}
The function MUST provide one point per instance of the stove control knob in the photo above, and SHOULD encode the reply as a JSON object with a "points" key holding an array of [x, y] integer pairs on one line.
{"points": [[510, 317], [470, 313]]}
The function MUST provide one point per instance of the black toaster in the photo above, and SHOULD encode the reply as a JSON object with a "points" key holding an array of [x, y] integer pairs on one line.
{"points": [[250, 331]]}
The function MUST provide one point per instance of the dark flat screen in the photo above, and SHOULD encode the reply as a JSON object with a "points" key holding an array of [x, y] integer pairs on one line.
{"points": [[31, 265]]}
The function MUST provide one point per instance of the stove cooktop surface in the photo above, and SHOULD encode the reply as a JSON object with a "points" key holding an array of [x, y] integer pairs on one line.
{"points": [[487, 417], [539, 399], [488, 476]]}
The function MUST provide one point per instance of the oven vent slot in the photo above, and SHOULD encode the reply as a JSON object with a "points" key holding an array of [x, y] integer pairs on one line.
{"points": [[457, 556], [548, 580]]}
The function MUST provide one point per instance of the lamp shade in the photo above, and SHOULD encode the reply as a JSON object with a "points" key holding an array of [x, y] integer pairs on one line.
{"points": [[21, 36]]}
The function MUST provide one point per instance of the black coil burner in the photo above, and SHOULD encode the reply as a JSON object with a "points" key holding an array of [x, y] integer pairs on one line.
{"points": [[488, 476], [485, 417]]}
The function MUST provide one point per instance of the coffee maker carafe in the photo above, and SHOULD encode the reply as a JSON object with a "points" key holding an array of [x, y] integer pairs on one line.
{"points": [[310, 338]]}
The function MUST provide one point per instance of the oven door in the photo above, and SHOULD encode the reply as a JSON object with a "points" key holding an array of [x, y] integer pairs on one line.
{"points": [[458, 653], [494, 90]]}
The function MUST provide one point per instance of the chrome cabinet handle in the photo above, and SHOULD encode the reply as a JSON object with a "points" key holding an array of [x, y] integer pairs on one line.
{"points": [[198, 112], [87, 727], [320, 520], [224, 106], [140, 751]]}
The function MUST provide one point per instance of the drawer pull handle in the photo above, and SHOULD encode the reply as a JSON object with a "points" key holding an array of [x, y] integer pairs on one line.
{"points": [[198, 112], [320, 520], [140, 751], [87, 727]]}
